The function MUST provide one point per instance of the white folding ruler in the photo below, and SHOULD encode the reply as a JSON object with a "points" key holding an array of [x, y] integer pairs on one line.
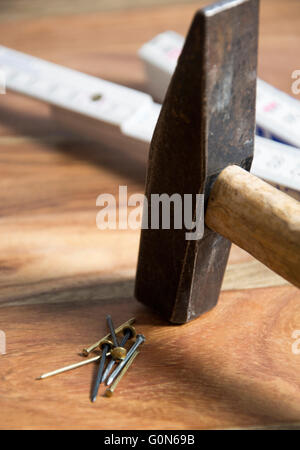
{"points": [[101, 109], [277, 114]]}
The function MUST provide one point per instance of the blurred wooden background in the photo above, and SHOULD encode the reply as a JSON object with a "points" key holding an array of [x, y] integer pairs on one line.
{"points": [[21, 9]]}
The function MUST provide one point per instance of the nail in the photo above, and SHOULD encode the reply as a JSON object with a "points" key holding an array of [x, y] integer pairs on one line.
{"points": [[88, 350], [105, 346], [112, 330], [140, 339], [71, 367], [119, 353], [109, 391], [129, 333]]}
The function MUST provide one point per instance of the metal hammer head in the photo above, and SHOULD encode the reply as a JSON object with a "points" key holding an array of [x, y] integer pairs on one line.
{"points": [[207, 122]]}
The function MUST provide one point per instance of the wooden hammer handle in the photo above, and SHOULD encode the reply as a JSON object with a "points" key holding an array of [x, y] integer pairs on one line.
{"points": [[258, 218]]}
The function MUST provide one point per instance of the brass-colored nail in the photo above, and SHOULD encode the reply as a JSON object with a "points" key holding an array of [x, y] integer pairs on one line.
{"points": [[109, 391], [128, 333], [118, 353], [71, 367], [88, 350], [131, 330], [140, 339]]}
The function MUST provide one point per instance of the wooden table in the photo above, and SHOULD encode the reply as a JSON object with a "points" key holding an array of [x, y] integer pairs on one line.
{"points": [[59, 275]]}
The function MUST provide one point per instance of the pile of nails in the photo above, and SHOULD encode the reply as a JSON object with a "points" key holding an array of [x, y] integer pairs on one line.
{"points": [[113, 353]]}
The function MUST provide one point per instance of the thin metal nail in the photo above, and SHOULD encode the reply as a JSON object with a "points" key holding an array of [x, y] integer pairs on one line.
{"points": [[105, 348], [140, 339], [119, 353], [112, 330], [71, 367], [88, 350], [112, 362], [109, 391]]}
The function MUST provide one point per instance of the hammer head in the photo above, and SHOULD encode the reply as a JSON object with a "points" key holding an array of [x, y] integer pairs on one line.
{"points": [[207, 122]]}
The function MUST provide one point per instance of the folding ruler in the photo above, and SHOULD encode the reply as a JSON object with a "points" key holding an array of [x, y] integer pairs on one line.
{"points": [[101, 109]]}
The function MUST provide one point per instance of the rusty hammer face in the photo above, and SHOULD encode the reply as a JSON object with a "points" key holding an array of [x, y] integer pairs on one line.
{"points": [[207, 122]]}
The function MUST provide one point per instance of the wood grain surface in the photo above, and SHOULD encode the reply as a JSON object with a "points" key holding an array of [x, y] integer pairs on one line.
{"points": [[59, 275], [15, 9]]}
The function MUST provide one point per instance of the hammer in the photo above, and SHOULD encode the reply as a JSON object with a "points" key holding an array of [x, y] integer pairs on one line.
{"points": [[203, 144]]}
